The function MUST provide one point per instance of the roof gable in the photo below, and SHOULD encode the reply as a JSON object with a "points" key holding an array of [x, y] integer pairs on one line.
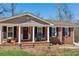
{"points": [[32, 23], [18, 19]]}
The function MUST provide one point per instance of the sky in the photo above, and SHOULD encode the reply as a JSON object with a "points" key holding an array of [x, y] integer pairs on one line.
{"points": [[46, 10]]}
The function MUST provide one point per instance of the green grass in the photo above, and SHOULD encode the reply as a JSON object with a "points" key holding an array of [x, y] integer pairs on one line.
{"points": [[22, 53], [14, 53], [68, 54], [70, 48], [64, 54]]}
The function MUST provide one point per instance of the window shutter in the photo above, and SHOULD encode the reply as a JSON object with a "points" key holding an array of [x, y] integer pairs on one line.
{"points": [[63, 31], [43, 31], [50, 32], [69, 31], [35, 31], [57, 31]]}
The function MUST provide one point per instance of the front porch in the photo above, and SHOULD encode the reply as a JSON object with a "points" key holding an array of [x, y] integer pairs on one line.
{"points": [[24, 34]]}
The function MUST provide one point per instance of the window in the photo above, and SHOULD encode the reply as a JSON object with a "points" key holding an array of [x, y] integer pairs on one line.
{"points": [[7, 32], [10, 31], [66, 31], [54, 32], [39, 31]]}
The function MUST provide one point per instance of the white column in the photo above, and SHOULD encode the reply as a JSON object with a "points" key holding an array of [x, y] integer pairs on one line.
{"points": [[48, 34], [33, 35], [7, 32], [0, 33], [19, 35], [61, 34]]}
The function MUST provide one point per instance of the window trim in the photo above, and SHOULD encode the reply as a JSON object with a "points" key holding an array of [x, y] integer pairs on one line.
{"points": [[11, 31], [66, 28], [55, 32], [40, 30]]}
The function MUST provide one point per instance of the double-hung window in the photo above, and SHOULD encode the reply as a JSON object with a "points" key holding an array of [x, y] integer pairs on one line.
{"points": [[39, 31], [66, 31], [54, 32], [10, 31]]}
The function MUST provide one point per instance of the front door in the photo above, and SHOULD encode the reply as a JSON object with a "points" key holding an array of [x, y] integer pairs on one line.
{"points": [[25, 33]]}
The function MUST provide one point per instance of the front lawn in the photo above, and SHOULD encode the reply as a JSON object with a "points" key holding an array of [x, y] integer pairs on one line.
{"points": [[14, 53], [22, 53], [17, 51]]}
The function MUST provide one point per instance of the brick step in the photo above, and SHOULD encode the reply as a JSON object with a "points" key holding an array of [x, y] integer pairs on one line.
{"points": [[7, 44], [27, 44], [35, 44]]}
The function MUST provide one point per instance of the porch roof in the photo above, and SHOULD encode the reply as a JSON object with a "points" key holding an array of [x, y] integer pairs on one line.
{"points": [[23, 19], [28, 19]]}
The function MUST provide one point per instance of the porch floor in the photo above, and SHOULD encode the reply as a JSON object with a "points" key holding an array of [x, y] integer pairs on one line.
{"points": [[28, 44], [36, 44]]}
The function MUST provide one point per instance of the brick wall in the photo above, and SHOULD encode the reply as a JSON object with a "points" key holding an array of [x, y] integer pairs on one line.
{"points": [[60, 39], [69, 39]]}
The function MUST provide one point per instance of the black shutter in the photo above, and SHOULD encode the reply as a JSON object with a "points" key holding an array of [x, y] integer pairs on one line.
{"points": [[15, 34], [63, 31], [35, 31], [50, 32], [43, 31], [57, 31], [69, 31]]}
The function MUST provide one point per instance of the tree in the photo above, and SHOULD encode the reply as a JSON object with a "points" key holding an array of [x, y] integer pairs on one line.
{"points": [[13, 9], [8, 8], [63, 12]]}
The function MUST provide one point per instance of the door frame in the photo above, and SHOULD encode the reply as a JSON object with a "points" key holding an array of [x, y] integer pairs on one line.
{"points": [[22, 33]]}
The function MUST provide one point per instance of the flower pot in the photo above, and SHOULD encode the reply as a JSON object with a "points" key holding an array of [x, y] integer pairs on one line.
{"points": [[9, 40]]}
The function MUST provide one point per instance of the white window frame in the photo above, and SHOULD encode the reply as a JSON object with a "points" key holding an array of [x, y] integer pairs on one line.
{"points": [[55, 32], [66, 29], [12, 31], [40, 30]]}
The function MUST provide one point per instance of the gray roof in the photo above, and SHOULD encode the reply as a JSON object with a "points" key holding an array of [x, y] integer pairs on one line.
{"points": [[63, 23], [22, 18], [2, 18]]}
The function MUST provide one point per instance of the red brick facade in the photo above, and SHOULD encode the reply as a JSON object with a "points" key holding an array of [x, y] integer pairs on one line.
{"points": [[60, 39], [69, 39]]}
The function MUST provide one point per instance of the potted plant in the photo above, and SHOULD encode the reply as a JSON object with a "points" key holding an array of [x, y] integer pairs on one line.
{"points": [[9, 39], [13, 41]]}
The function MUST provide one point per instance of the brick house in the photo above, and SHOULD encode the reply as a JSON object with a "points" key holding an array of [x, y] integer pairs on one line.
{"points": [[30, 28]]}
